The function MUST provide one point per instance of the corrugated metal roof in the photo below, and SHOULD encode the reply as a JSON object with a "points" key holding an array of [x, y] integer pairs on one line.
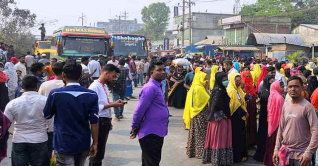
{"points": [[314, 26], [211, 40], [271, 38], [238, 48]]}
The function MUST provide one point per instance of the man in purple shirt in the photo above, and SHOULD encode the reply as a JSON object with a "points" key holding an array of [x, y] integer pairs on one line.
{"points": [[150, 120]]}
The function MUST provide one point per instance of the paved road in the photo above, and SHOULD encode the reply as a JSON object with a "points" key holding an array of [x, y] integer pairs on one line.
{"points": [[121, 151]]}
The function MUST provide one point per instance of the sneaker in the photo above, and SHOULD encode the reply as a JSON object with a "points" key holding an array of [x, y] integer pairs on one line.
{"points": [[121, 117]]}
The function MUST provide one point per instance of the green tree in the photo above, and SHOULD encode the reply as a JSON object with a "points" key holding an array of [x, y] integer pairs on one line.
{"points": [[155, 17], [301, 12], [15, 25]]}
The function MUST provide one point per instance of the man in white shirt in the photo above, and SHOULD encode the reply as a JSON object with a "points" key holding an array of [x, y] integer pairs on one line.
{"points": [[21, 66], [279, 76], [29, 60], [113, 61], [45, 90], [94, 68], [229, 68], [108, 75], [30, 129]]}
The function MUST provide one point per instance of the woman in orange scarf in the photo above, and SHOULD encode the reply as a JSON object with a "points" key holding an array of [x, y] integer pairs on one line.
{"points": [[249, 89]]}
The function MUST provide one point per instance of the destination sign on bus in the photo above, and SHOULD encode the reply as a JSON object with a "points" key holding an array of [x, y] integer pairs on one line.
{"points": [[129, 41], [84, 30], [128, 38]]}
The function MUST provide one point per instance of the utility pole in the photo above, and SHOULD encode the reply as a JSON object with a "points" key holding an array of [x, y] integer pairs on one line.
{"points": [[183, 23], [190, 24], [125, 17], [82, 18], [119, 23]]}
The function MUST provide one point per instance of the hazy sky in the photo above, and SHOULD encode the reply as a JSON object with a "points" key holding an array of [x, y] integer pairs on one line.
{"points": [[58, 13]]}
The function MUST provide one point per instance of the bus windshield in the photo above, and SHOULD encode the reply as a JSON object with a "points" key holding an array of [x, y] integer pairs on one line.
{"points": [[44, 45], [82, 45], [125, 45]]}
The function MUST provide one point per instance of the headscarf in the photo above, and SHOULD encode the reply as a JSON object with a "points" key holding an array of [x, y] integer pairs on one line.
{"points": [[14, 60], [248, 88], [4, 123], [197, 98], [274, 107], [312, 84], [314, 99], [10, 71], [3, 76], [261, 77], [219, 100], [256, 72], [179, 74], [236, 94], [214, 69], [237, 66]]}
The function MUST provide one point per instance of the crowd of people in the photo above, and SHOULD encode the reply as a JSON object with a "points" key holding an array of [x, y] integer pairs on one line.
{"points": [[230, 106], [229, 97]]}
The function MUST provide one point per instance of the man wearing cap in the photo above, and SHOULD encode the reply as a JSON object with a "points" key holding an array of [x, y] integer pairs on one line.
{"points": [[44, 60]]}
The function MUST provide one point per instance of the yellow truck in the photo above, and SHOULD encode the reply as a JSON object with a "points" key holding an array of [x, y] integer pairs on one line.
{"points": [[42, 47]]}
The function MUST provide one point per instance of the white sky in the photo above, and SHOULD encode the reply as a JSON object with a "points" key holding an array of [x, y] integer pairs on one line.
{"points": [[58, 13]]}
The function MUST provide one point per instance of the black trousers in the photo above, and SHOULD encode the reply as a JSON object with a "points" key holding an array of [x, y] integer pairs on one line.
{"points": [[104, 126], [151, 147]]}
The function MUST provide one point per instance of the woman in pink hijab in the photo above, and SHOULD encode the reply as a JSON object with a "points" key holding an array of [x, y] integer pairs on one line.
{"points": [[274, 110]]}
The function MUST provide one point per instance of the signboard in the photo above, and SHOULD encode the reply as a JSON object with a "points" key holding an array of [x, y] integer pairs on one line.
{"points": [[84, 30], [128, 40], [166, 43], [176, 11], [231, 20]]}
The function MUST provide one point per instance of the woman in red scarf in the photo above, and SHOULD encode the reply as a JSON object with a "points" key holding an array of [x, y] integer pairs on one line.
{"points": [[4, 97], [251, 107], [261, 77]]}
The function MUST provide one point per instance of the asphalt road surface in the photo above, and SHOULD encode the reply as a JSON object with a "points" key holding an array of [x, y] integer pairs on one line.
{"points": [[122, 151]]}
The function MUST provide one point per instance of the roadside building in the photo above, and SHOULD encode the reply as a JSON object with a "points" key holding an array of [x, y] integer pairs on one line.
{"points": [[309, 33], [238, 28], [202, 25], [278, 45]]}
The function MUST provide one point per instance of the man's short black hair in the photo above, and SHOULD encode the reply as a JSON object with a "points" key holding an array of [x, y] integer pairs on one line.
{"points": [[209, 62], [214, 61], [58, 68], [111, 68], [153, 65], [292, 78], [54, 59], [270, 69], [72, 71], [230, 63], [307, 73], [163, 59], [28, 52], [35, 67], [315, 71], [278, 65], [84, 59], [30, 83], [122, 61]]}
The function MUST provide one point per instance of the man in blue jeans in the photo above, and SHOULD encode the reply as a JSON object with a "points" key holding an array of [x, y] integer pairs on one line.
{"points": [[119, 89]]}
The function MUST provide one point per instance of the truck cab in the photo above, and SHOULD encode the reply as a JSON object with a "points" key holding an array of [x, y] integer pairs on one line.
{"points": [[42, 47]]}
